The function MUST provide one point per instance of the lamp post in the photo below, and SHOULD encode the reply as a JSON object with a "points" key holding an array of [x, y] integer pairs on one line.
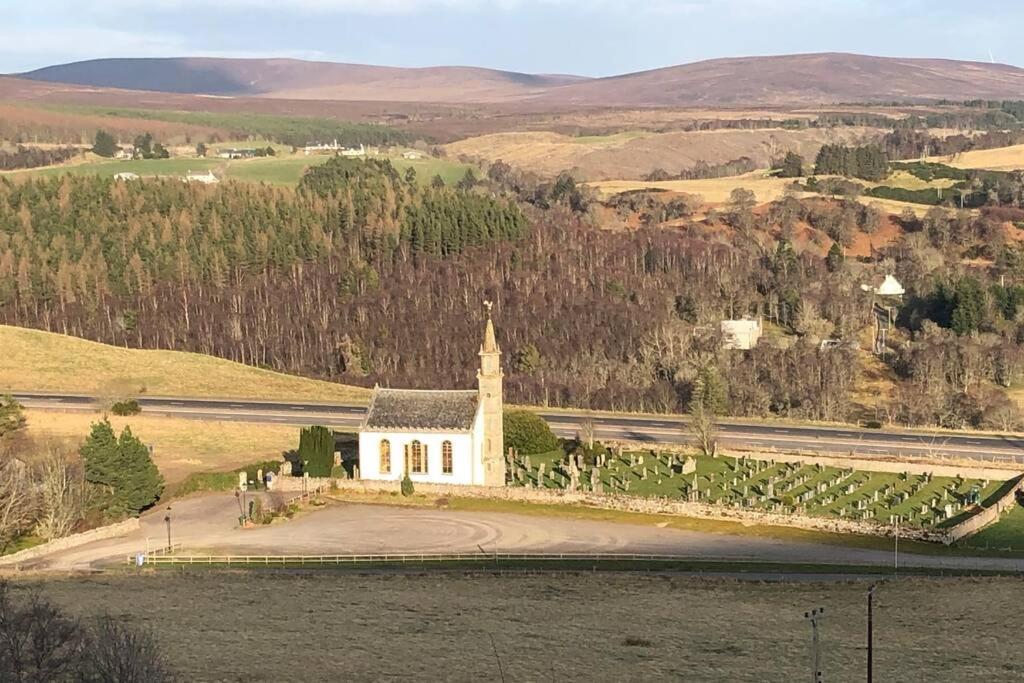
{"points": [[167, 519]]}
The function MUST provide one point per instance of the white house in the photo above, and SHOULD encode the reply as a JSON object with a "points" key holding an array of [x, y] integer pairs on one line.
{"points": [[890, 287], [412, 154], [206, 178], [741, 334], [436, 436]]}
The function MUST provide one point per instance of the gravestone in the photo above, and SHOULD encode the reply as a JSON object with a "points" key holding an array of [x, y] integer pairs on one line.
{"points": [[689, 466], [286, 468], [243, 481]]}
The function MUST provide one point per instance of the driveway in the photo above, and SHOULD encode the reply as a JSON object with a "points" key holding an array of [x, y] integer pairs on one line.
{"points": [[208, 525]]}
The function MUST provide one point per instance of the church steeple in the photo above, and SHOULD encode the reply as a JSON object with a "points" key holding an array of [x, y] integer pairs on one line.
{"points": [[489, 382]]}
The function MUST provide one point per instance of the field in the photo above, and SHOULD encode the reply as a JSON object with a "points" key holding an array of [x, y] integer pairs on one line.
{"points": [[256, 626], [284, 169], [919, 500], [633, 154], [713, 190], [180, 446], [999, 159], [41, 361]]}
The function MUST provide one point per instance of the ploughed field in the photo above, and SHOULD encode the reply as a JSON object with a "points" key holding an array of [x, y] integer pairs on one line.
{"points": [[253, 626]]}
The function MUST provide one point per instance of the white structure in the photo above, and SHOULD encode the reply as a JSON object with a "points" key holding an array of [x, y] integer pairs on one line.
{"points": [[890, 287], [206, 178], [741, 334], [412, 154], [438, 437], [126, 176]]}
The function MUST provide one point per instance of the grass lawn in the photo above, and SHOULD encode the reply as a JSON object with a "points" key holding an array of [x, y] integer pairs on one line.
{"points": [[285, 170], [33, 360], [180, 446], [1008, 532], [575, 626]]}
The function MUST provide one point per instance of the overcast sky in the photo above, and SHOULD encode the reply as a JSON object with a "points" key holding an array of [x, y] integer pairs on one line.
{"points": [[588, 37]]}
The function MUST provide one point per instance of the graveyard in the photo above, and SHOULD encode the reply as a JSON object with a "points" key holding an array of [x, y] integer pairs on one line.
{"points": [[912, 500]]}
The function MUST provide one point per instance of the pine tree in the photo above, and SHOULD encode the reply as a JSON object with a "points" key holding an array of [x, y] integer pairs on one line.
{"points": [[122, 468], [104, 145]]}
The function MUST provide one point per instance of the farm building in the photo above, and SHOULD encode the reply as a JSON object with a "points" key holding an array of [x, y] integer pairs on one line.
{"points": [[438, 436]]}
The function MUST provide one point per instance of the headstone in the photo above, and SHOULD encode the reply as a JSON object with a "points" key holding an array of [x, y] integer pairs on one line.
{"points": [[337, 459], [689, 466], [528, 464], [243, 481], [286, 468], [259, 476]]}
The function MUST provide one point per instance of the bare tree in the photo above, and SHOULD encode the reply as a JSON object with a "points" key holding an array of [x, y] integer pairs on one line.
{"points": [[18, 500], [704, 428], [118, 653], [61, 491]]}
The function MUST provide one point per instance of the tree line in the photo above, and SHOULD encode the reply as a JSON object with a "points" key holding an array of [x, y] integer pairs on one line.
{"points": [[34, 157]]}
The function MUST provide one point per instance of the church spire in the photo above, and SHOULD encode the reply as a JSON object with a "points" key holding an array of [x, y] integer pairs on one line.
{"points": [[490, 344]]}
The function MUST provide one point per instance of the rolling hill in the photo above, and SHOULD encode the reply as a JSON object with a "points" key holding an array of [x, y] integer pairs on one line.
{"points": [[769, 81], [302, 80], [797, 79]]}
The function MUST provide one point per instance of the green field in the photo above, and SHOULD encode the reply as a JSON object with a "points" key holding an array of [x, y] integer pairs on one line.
{"points": [[279, 170], [779, 487], [1008, 532]]}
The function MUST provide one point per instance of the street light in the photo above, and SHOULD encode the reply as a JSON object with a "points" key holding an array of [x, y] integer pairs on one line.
{"points": [[168, 520], [813, 616]]}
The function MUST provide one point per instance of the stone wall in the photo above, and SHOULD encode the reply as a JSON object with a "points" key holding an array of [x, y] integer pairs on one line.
{"points": [[989, 515], [73, 541], [655, 506]]}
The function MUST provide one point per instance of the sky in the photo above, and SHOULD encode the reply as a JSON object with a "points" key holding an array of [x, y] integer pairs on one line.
{"points": [[585, 37]]}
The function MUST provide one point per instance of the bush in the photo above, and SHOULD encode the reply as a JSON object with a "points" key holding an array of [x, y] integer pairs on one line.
{"points": [[407, 488], [339, 472], [528, 433], [129, 407]]}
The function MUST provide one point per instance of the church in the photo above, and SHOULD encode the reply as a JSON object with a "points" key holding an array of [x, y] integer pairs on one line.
{"points": [[438, 436]]}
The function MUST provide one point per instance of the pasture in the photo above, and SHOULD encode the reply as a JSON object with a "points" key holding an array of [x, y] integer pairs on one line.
{"points": [[34, 360], [256, 626], [998, 159], [180, 446]]}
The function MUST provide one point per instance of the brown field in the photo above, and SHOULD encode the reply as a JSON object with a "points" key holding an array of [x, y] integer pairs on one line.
{"points": [[254, 626], [33, 360], [713, 190], [634, 154], [180, 446], [999, 159]]}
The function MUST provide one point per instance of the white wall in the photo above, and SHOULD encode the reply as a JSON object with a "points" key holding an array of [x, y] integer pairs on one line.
{"points": [[464, 469]]}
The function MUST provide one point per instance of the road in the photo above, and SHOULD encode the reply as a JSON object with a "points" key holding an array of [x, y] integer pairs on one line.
{"points": [[209, 524], [661, 429]]}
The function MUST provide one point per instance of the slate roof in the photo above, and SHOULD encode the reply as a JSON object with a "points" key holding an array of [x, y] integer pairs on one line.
{"points": [[421, 410]]}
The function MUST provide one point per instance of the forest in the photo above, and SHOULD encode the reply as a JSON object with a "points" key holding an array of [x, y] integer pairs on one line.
{"points": [[361, 276]]}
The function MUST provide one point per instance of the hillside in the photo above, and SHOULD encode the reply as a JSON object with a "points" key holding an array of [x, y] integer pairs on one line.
{"points": [[769, 81], [793, 79], [43, 361], [297, 79]]}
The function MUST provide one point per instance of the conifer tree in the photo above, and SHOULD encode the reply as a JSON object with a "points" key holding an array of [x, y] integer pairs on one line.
{"points": [[121, 466]]}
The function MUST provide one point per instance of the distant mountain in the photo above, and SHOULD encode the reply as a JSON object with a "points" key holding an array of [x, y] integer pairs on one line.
{"points": [[798, 79], [297, 79], [782, 80]]}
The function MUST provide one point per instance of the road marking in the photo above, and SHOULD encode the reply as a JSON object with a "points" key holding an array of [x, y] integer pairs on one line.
{"points": [[235, 405], [782, 431], [177, 403], [296, 408]]}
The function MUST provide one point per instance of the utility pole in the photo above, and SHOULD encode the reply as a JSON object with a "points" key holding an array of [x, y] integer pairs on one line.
{"points": [[817, 676], [871, 637]]}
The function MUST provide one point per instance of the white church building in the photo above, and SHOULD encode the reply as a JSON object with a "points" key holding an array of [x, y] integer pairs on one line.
{"points": [[437, 436]]}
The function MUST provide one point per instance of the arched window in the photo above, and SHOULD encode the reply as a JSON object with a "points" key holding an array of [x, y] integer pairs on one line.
{"points": [[418, 453], [385, 456], [446, 457]]}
